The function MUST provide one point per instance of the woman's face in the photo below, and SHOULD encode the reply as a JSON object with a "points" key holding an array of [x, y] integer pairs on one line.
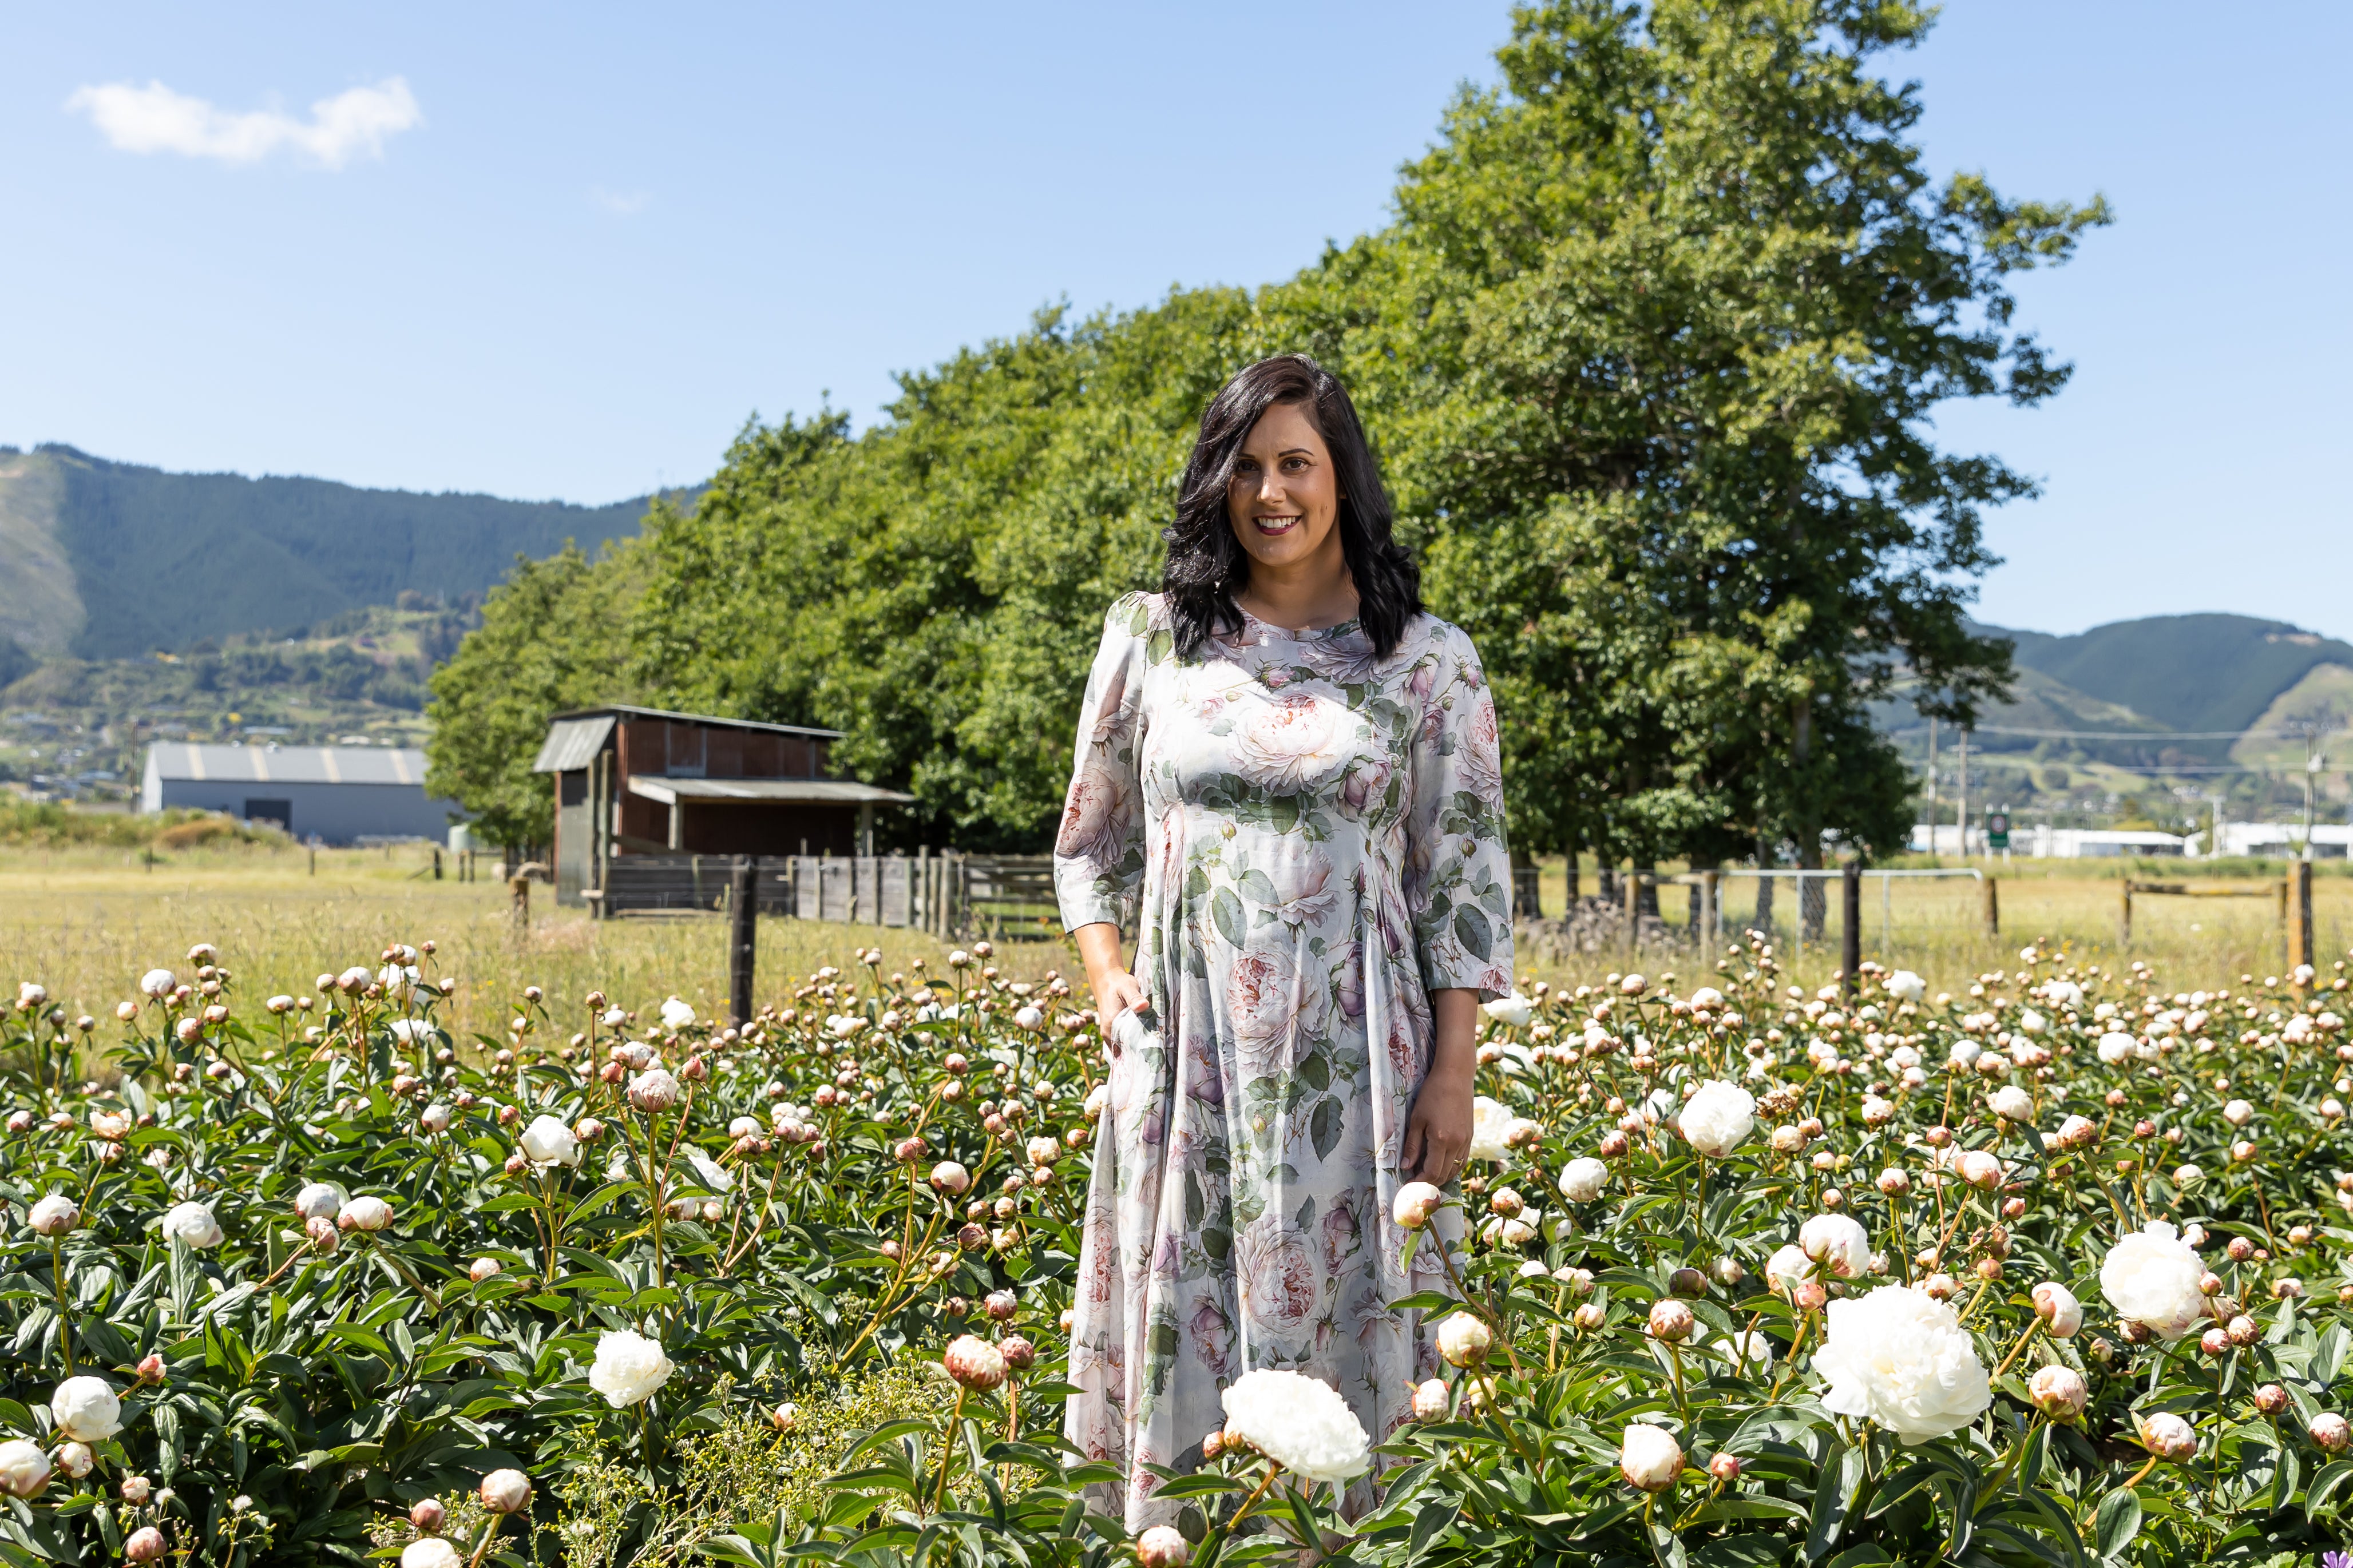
{"points": [[1285, 499]]}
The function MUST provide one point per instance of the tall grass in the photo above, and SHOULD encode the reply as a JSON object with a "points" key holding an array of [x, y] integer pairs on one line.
{"points": [[87, 922]]}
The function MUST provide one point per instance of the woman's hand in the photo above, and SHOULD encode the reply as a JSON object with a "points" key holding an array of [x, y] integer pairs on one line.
{"points": [[1116, 991], [1438, 1129]]}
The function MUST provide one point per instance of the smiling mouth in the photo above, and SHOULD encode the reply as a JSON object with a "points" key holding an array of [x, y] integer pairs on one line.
{"points": [[1275, 527]]}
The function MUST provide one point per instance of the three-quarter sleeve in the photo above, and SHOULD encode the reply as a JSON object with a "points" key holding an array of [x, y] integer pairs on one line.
{"points": [[1458, 882], [1099, 850]]}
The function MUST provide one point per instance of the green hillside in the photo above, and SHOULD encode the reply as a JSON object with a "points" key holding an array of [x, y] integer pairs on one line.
{"points": [[104, 560], [2187, 672]]}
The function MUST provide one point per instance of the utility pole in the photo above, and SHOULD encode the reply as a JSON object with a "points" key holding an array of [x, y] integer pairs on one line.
{"points": [[2313, 763], [1932, 815], [1963, 815]]}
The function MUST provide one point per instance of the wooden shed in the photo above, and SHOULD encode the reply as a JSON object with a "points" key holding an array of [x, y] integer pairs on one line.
{"points": [[690, 784]]}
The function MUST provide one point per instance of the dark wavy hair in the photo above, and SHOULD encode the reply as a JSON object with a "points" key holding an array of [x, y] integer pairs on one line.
{"points": [[1208, 566]]}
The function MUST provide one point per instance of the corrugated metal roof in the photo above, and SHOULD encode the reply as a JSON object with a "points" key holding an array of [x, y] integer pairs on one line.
{"points": [[636, 712], [289, 764], [801, 791], [572, 745]]}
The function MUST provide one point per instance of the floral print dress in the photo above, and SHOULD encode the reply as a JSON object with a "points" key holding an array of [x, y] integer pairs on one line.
{"points": [[1312, 839]]}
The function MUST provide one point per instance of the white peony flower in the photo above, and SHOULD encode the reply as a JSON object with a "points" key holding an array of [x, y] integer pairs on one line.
{"points": [[24, 1467], [2238, 1113], [1582, 1179], [2151, 1277], [412, 1031], [1963, 1056], [628, 1367], [157, 983], [614, 1018], [192, 1224], [547, 1142], [1838, 1243], [1787, 1269], [1299, 1422], [1491, 1130], [2064, 993], [1716, 1119], [54, 1216], [2011, 1103], [1906, 987], [1900, 1357], [1746, 1347], [2116, 1048], [1650, 1458], [655, 1090], [675, 1015], [2031, 1022], [1513, 1011], [430, 1552], [318, 1200], [365, 1213], [86, 1409], [2057, 1306]]}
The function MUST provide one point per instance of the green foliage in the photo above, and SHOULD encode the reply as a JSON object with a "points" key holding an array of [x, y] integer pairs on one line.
{"points": [[554, 636], [1654, 345], [934, 587], [1650, 351], [46, 826]]}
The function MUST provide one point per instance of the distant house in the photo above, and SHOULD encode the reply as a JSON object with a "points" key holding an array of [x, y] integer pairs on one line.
{"points": [[333, 793], [672, 784], [2279, 840]]}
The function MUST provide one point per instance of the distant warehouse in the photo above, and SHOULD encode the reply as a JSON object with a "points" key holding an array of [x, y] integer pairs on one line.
{"points": [[333, 793]]}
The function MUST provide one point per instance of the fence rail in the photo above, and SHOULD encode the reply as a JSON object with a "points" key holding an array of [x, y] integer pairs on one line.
{"points": [[950, 895]]}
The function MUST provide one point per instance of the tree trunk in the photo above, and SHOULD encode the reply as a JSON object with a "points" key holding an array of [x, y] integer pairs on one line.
{"points": [[1646, 889], [1765, 889]]}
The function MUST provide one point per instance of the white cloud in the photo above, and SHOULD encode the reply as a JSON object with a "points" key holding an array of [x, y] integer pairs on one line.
{"points": [[628, 203], [155, 119]]}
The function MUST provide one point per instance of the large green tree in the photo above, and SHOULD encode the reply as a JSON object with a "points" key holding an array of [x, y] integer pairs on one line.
{"points": [[1650, 351], [554, 636], [1654, 343]]}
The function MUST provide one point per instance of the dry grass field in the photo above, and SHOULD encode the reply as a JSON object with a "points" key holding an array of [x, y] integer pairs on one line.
{"points": [[87, 922]]}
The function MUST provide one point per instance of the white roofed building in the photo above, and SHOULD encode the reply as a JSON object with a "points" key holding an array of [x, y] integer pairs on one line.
{"points": [[334, 794]]}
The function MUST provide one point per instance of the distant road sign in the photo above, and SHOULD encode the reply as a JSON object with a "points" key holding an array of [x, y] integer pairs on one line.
{"points": [[1998, 829]]}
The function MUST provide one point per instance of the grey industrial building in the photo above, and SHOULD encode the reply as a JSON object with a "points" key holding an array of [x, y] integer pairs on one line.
{"points": [[333, 793]]}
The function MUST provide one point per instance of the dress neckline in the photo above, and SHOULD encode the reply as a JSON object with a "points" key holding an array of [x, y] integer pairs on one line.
{"points": [[1294, 634]]}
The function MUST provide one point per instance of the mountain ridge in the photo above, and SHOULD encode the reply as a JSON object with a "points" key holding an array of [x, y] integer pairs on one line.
{"points": [[100, 559]]}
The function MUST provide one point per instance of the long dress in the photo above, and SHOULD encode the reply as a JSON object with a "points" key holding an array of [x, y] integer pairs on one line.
{"points": [[1313, 840]]}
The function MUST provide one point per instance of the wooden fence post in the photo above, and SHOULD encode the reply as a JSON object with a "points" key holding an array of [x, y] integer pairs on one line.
{"points": [[2299, 920], [743, 936], [2124, 923], [1992, 908], [1851, 932], [1711, 911]]}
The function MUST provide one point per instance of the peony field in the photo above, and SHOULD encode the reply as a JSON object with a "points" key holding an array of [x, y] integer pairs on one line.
{"points": [[2043, 1265]]}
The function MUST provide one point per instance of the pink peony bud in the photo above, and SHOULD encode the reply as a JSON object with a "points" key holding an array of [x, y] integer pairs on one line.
{"points": [[429, 1516], [144, 1544], [2059, 1391], [2330, 1432], [974, 1363]]}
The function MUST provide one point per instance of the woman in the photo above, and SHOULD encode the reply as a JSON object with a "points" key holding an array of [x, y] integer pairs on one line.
{"points": [[1290, 773]]}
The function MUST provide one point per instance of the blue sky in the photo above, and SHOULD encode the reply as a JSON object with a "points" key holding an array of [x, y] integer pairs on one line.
{"points": [[564, 251]]}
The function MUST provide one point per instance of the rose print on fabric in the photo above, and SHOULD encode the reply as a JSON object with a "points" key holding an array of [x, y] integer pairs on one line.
{"points": [[1289, 742], [1310, 838]]}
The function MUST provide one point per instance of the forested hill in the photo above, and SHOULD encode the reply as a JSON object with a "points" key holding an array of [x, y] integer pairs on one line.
{"points": [[107, 560], [2188, 672]]}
